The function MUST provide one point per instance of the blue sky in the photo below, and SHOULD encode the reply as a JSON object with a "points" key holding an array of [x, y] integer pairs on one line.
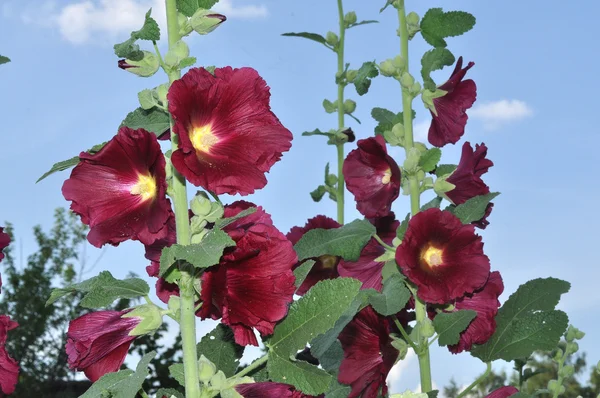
{"points": [[64, 93]]}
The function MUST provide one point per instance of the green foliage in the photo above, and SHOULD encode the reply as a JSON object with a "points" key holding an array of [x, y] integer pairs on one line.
{"points": [[437, 25], [393, 297], [223, 222], [150, 31], [102, 290], [387, 4], [449, 326], [129, 49], [189, 7], [433, 203], [346, 241], [474, 208], [310, 36], [527, 322], [329, 106], [221, 349], [4, 60], [176, 372], [444, 169], [387, 119], [401, 231], [430, 159], [370, 21], [67, 164], [433, 60], [153, 120], [316, 132], [366, 72], [121, 384], [303, 376], [169, 392], [302, 272], [204, 254]]}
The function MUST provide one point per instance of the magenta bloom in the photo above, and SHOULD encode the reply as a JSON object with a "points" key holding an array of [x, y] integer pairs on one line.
{"points": [[467, 178], [164, 289], [4, 242], [368, 354], [270, 390], [97, 343], [366, 269], [449, 124], [373, 177], [326, 266], [503, 392], [443, 257], [120, 191], [228, 136], [253, 284], [9, 368]]}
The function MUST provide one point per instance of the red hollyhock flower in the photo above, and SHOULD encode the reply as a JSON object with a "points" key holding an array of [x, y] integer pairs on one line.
{"points": [[120, 191], [485, 302], [449, 124], [503, 392], [368, 354], [366, 269], [372, 176], [270, 390], [443, 257], [97, 343], [164, 289], [467, 178], [228, 136], [326, 266], [9, 368], [4, 242], [253, 284]]}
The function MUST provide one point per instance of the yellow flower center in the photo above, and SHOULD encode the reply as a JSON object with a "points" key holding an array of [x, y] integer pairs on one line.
{"points": [[145, 187], [387, 176], [202, 138], [328, 261], [433, 256]]}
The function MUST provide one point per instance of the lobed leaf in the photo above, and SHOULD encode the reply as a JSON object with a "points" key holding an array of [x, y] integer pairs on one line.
{"points": [[302, 272], [223, 222], [401, 231], [393, 297], [366, 72], [370, 21], [153, 120], [221, 349], [437, 25], [449, 326], [303, 376], [176, 371], [444, 169], [189, 7], [433, 203], [150, 30], [430, 159], [433, 60]]}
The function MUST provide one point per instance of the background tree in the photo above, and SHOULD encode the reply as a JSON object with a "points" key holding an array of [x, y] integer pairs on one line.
{"points": [[39, 341]]}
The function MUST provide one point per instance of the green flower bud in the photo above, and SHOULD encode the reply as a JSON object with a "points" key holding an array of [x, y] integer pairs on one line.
{"points": [[572, 348], [205, 21], [318, 193], [331, 180], [573, 334], [415, 89], [553, 385], [401, 346], [421, 175], [441, 186], [427, 329], [412, 18], [411, 163], [420, 146], [181, 49], [407, 80], [197, 225], [349, 106], [350, 18], [161, 92], [174, 304], [206, 369], [427, 184], [200, 204], [398, 130], [332, 39], [351, 75], [558, 355], [151, 319], [146, 67], [567, 371], [428, 96], [399, 63], [216, 212], [185, 28], [329, 106], [387, 68], [218, 381], [393, 139]]}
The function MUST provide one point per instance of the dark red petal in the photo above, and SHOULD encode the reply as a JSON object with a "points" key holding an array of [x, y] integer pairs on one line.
{"points": [[270, 390], [9, 372], [249, 137], [467, 176], [372, 176], [503, 392], [4, 242], [109, 363], [100, 190]]}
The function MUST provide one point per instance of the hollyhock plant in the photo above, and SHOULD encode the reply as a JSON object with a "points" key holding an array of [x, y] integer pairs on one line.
{"points": [[120, 191], [450, 116], [443, 257], [9, 368], [253, 284], [326, 266], [372, 176], [270, 390], [228, 136], [366, 269], [97, 343], [503, 392], [368, 354], [485, 302], [467, 178], [4, 242], [164, 289]]}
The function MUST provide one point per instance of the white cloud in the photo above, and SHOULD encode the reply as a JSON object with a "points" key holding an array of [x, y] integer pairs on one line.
{"points": [[398, 369], [497, 113], [421, 130], [227, 8]]}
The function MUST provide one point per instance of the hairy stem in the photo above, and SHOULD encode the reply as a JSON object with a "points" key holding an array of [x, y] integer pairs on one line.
{"points": [[186, 284], [415, 196], [341, 114]]}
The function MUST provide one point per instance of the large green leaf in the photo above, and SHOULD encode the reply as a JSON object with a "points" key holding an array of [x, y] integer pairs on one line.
{"points": [[189, 7], [153, 120], [437, 25], [527, 322], [303, 376], [221, 349], [314, 314], [474, 208], [302, 272], [67, 164], [176, 371], [366, 72], [393, 297], [121, 384], [346, 241], [449, 326], [204, 254]]}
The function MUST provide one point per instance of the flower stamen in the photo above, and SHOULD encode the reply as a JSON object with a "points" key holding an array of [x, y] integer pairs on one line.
{"points": [[387, 177], [432, 256], [145, 187], [203, 139]]}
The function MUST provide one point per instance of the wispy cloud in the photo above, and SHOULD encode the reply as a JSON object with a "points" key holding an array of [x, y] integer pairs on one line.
{"points": [[498, 113], [421, 130], [251, 11], [398, 370]]}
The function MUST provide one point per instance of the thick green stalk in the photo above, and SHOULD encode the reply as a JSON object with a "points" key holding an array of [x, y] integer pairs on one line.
{"points": [[253, 366], [415, 196], [187, 320], [341, 115]]}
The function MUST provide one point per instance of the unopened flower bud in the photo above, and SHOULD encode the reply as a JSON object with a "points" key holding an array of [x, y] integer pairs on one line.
{"points": [[200, 204], [349, 135], [351, 75], [350, 18], [331, 180], [567, 371], [426, 328], [412, 18], [206, 369], [407, 80], [332, 39], [387, 68], [161, 92], [401, 346], [572, 347], [146, 67], [411, 163], [349, 106], [218, 381], [205, 21], [151, 319], [185, 28], [415, 89], [398, 130], [399, 63]]}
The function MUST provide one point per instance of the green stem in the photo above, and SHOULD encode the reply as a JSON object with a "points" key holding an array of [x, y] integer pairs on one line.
{"points": [[253, 366], [182, 222], [144, 394], [382, 243], [341, 114], [415, 196], [406, 336], [476, 382]]}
